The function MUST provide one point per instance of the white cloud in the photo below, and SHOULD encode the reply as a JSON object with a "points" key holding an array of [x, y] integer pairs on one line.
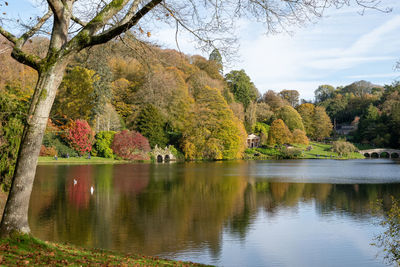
{"points": [[393, 75], [341, 47]]}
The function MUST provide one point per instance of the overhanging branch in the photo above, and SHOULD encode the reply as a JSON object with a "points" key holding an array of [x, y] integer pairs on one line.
{"points": [[79, 21], [107, 36], [35, 28], [9, 36]]}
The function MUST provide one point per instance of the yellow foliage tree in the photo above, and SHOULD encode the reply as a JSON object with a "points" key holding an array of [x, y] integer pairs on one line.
{"points": [[299, 137], [279, 133], [75, 98], [212, 131]]}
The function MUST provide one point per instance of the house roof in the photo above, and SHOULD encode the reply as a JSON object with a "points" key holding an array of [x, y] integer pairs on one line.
{"points": [[253, 136]]}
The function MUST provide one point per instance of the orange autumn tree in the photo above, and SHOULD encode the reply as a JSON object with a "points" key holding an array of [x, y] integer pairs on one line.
{"points": [[279, 133]]}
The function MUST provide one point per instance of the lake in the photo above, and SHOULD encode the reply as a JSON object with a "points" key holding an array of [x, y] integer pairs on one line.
{"points": [[231, 213]]}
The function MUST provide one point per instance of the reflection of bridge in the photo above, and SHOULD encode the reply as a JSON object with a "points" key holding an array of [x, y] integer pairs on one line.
{"points": [[381, 153]]}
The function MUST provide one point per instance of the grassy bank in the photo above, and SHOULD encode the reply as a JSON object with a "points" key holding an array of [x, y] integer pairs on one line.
{"points": [[79, 160], [26, 250], [318, 151]]}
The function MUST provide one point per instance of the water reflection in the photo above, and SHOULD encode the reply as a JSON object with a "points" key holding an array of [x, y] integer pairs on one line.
{"points": [[192, 209]]}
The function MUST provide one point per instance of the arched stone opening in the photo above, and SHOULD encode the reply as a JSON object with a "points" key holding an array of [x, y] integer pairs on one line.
{"points": [[367, 155], [395, 155], [159, 158], [384, 155], [375, 155], [167, 158]]}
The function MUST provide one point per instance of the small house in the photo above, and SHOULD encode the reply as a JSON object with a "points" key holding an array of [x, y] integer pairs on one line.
{"points": [[253, 141]]}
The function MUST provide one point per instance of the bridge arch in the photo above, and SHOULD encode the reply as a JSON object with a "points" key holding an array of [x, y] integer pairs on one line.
{"points": [[375, 155], [384, 155], [381, 153]]}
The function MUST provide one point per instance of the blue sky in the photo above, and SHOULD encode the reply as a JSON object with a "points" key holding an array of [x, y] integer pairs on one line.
{"points": [[338, 49]]}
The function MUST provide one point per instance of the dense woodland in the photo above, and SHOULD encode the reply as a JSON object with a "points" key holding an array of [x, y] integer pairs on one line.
{"points": [[124, 98]]}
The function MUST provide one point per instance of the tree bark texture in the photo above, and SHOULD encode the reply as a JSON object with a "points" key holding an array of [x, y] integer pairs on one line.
{"points": [[15, 216]]}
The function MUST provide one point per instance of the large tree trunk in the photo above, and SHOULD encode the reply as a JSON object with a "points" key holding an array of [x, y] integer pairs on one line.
{"points": [[15, 216]]}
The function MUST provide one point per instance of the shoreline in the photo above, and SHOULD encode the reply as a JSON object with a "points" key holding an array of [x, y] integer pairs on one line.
{"points": [[22, 250]]}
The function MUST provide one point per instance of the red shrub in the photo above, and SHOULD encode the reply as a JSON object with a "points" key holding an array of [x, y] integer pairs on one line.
{"points": [[131, 145], [80, 136]]}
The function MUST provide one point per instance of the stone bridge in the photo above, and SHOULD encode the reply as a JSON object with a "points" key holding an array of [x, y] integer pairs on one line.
{"points": [[162, 154], [381, 152]]}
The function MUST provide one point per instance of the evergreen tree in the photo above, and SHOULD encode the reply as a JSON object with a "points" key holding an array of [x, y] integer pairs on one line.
{"points": [[151, 124], [217, 58], [243, 89]]}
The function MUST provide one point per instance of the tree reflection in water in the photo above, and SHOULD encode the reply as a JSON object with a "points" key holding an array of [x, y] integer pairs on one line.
{"points": [[170, 208], [389, 240]]}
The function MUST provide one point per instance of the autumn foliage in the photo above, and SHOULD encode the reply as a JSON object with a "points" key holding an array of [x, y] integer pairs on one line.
{"points": [[299, 137], [80, 136], [131, 145], [279, 133]]}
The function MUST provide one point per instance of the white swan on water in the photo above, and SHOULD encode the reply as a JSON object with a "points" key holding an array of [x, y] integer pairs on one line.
{"points": [[75, 182]]}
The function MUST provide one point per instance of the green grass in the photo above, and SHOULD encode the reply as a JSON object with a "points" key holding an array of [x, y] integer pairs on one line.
{"points": [[320, 150], [26, 250], [80, 160]]}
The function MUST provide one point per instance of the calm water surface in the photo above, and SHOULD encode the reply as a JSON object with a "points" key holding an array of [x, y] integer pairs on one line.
{"points": [[254, 213]]}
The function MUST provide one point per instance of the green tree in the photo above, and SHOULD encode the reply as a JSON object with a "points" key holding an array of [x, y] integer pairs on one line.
{"points": [[291, 118], [343, 148], [261, 129], [242, 87], [151, 124], [13, 104], [324, 92], [336, 108], [103, 143], [279, 133]]}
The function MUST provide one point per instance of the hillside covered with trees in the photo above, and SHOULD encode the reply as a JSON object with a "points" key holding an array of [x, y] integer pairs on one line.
{"points": [[373, 109], [121, 99]]}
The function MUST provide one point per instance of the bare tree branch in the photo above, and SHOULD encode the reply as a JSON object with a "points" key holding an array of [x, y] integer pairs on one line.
{"points": [[108, 35], [35, 28], [9, 36], [79, 21]]}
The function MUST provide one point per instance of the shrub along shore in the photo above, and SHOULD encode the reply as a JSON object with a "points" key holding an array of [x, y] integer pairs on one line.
{"points": [[313, 151]]}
